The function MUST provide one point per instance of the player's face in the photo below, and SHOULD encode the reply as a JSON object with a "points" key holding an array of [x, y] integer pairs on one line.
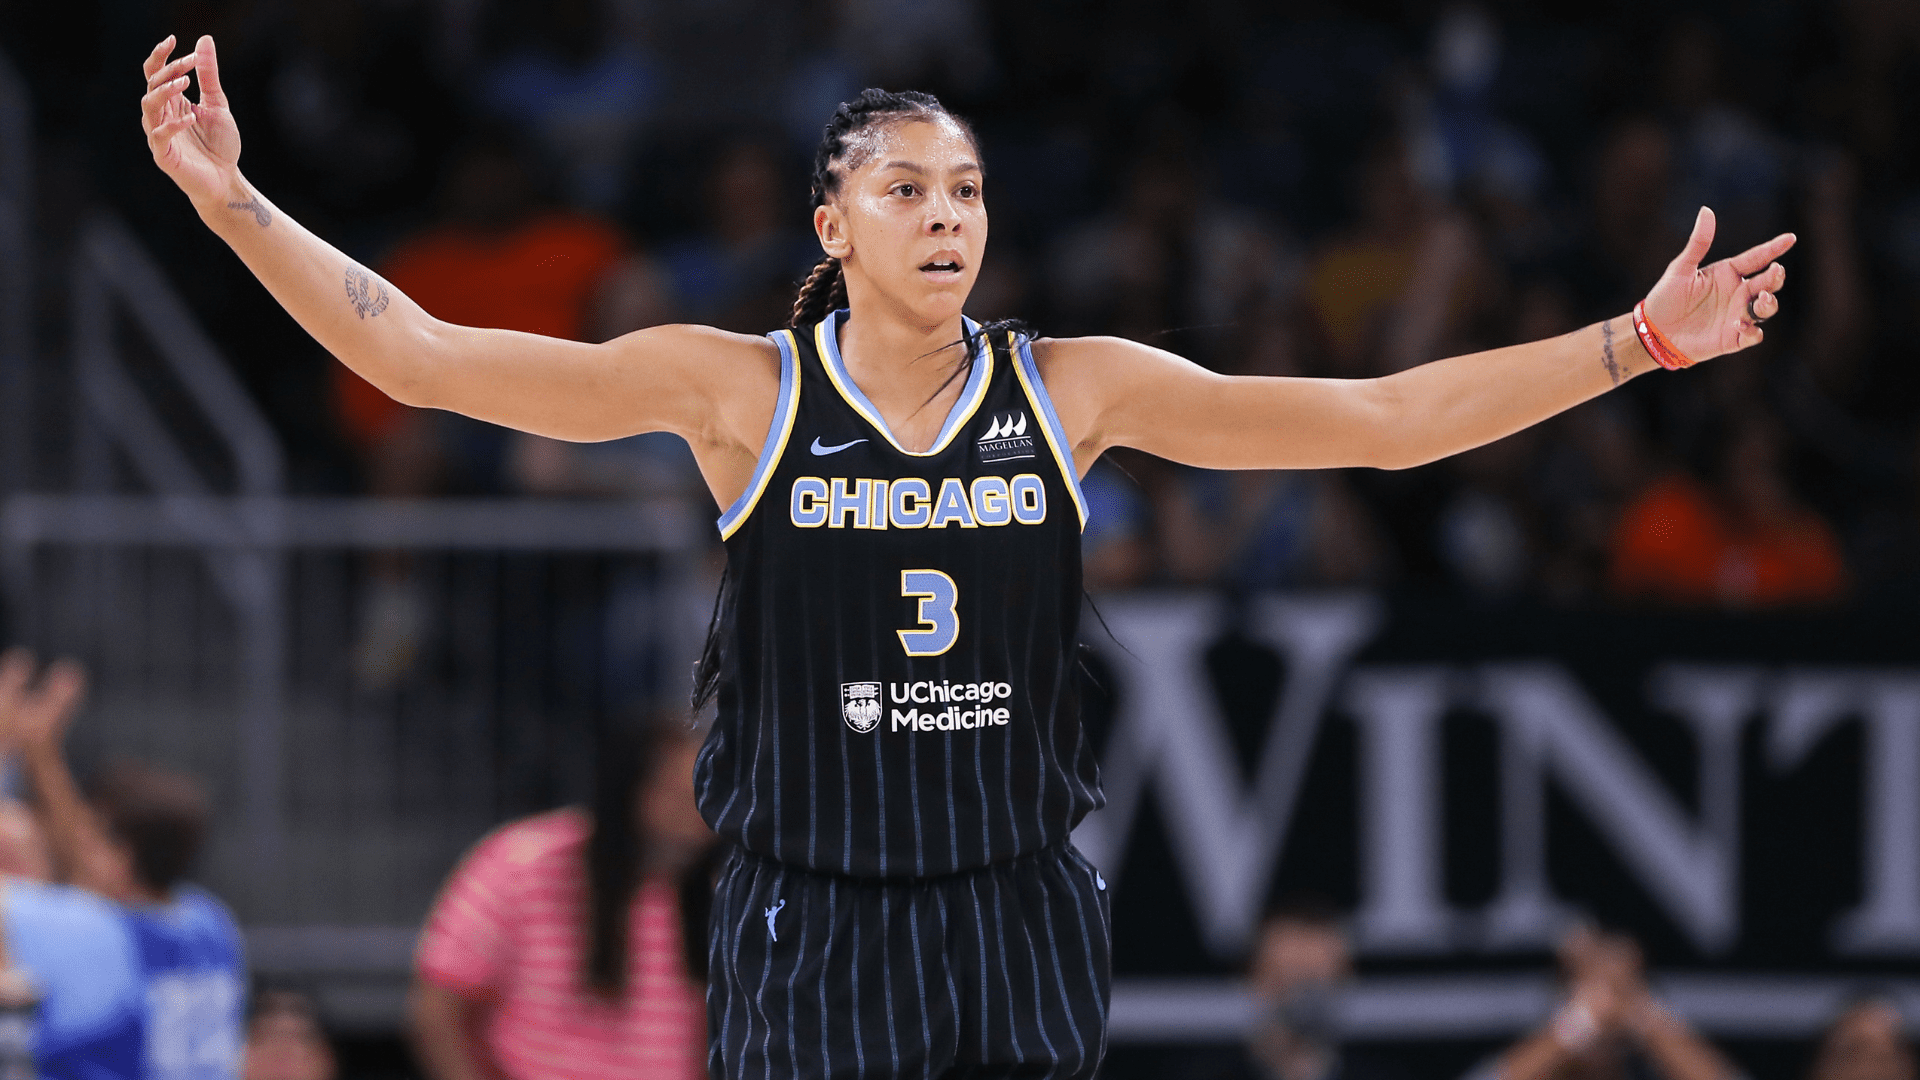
{"points": [[913, 220]]}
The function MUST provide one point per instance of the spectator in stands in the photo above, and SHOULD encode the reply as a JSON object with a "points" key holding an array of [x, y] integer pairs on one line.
{"points": [[1610, 1026], [1633, 225], [285, 1040], [355, 109], [1115, 552], [143, 977], [65, 953], [1867, 1041], [1265, 529], [582, 88], [498, 257], [561, 946], [1168, 258], [1356, 282], [738, 274], [1300, 965], [1748, 541]]}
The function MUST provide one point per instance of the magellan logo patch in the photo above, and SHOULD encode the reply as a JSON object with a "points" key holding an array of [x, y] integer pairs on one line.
{"points": [[1007, 439], [860, 705]]}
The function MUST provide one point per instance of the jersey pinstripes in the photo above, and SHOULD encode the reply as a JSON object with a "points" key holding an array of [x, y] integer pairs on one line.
{"points": [[898, 695]]}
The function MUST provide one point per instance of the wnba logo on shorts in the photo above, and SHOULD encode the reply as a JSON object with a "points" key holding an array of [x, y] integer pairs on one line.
{"points": [[860, 705]]}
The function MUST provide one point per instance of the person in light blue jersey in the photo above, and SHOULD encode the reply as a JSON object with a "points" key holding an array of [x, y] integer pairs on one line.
{"points": [[78, 956], [64, 953], [131, 843]]}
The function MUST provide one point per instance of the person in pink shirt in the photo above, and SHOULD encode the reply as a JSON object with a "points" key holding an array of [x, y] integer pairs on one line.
{"points": [[559, 947]]}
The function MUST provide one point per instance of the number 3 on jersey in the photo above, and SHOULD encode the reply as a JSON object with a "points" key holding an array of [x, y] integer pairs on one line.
{"points": [[939, 624]]}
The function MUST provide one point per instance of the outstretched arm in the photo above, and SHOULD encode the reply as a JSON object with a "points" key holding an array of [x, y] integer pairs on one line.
{"points": [[695, 381], [34, 716], [1120, 393]]}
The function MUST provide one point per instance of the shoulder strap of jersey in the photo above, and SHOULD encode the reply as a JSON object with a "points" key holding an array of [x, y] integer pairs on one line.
{"points": [[786, 407], [1029, 374]]}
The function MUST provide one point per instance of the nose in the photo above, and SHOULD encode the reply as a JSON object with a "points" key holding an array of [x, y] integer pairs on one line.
{"points": [[942, 217]]}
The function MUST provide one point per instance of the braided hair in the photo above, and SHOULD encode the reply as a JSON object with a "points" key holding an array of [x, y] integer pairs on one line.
{"points": [[845, 145]]}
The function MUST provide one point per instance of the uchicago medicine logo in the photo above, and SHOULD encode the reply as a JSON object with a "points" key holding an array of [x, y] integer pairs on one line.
{"points": [[967, 705], [860, 705]]}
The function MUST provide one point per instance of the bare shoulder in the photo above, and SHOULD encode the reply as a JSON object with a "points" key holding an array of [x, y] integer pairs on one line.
{"points": [[1088, 376], [1104, 369], [1097, 359]]}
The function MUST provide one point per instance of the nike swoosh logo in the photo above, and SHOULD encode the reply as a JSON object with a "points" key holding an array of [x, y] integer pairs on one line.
{"points": [[823, 451]]}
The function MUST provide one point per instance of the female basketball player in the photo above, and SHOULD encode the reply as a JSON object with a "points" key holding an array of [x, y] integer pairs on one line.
{"points": [[897, 755]]}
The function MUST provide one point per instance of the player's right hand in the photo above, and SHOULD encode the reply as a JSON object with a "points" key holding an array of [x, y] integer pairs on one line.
{"points": [[195, 143]]}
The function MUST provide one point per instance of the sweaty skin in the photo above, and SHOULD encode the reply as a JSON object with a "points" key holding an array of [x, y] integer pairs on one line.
{"points": [[917, 201]]}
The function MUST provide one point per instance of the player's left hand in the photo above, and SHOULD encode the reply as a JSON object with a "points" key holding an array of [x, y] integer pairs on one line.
{"points": [[1703, 309]]}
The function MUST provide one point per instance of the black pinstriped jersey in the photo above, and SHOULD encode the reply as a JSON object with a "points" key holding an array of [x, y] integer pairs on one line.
{"points": [[898, 695]]}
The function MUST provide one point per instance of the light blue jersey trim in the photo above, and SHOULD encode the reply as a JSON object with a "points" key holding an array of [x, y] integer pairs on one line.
{"points": [[827, 337], [778, 433], [1029, 373]]}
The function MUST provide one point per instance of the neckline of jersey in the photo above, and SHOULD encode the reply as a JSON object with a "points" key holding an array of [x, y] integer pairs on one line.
{"points": [[827, 338]]}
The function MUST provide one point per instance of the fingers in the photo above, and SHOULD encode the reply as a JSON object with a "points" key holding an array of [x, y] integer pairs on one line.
{"points": [[1760, 255], [1762, 303], [157, 57], [209, 63], [1697, 244], [173, 70], [159, 111]]}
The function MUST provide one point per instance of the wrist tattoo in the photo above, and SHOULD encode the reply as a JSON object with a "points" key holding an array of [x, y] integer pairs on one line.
{"points": [[1614, 370], [367, 294], [260, 211]]}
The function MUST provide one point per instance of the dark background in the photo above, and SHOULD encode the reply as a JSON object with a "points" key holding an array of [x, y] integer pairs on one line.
{"points": [[1204, 176]]}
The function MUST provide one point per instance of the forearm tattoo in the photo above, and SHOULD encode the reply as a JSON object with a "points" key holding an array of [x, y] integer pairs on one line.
{"points": [[1614, 370], [367, 294], [260, 211]]}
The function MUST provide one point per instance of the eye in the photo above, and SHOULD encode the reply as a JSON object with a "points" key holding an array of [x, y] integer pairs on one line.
{"points": [[904, 189], [968, 190]]}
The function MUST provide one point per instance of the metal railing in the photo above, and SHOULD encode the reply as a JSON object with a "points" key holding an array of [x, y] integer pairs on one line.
{"points": [[112, 270], [222, 617]]}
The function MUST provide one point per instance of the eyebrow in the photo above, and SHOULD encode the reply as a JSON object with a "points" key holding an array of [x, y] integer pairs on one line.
{"points": [[965, 166]]}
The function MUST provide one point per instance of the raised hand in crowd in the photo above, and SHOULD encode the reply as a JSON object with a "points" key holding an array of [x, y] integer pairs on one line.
{"points": [[1868, 1040], [36, 707], [1609, 1019]]}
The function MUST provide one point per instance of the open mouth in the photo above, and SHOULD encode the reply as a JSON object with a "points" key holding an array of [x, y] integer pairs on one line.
{"points": [[941, 266]]}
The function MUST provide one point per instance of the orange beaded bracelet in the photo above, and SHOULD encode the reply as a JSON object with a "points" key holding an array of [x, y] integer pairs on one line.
{"points": [[1658, 347]]}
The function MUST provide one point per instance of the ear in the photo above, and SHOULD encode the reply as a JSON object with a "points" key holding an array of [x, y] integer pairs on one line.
{"points": [[830, 225]]}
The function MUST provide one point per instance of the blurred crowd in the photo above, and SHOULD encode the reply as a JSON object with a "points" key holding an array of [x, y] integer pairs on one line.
{"points": [[568, 944], [573, 944], [1323, 192], [1609, 1024], [1307, 189]]}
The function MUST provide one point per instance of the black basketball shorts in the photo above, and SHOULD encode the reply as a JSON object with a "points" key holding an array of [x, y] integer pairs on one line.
{"points": [[997, 972]]}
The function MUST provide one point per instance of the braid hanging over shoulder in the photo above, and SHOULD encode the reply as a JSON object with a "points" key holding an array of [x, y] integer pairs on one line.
{"points": [[823, 291]]}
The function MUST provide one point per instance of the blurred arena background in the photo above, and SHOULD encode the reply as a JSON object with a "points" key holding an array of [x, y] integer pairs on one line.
{"points": [[1654, 662]]}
